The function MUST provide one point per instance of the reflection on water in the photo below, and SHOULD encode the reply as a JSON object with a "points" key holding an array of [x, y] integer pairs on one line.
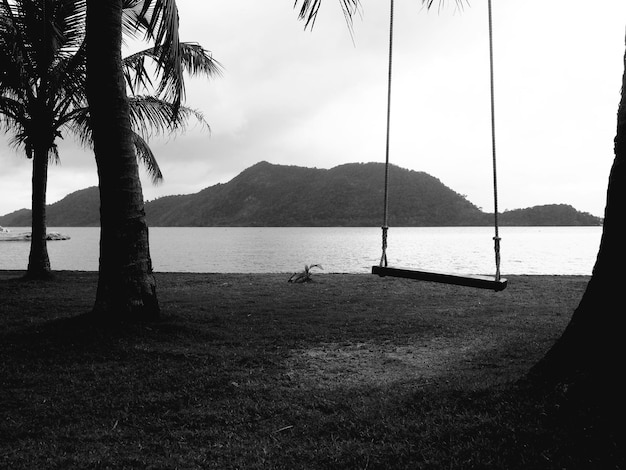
{"points": [[525, 250]]}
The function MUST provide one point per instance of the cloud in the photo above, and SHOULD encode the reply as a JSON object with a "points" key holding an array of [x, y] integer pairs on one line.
{"points": [[318, 98]]}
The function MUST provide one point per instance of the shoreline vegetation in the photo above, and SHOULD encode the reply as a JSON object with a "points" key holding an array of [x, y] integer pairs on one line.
{"points": [[250, 371]]}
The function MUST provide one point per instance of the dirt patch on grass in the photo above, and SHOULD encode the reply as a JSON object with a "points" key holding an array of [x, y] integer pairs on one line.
{"points": [[368, 363]]}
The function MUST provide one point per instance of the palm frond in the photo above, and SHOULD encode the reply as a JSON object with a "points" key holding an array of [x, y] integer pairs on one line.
{"points": [[161, 27], [194, 60], [13, 112], [132, 22], [136, 73], [77, 122], [150, 116], [69, 21], [67, 79], [310, 8], [146, 156], [18, 69], [53, 155], [153, 116], [442, 3]]}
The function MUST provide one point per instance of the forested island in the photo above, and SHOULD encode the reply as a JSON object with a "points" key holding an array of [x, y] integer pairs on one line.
{"points": [[349, 195]]}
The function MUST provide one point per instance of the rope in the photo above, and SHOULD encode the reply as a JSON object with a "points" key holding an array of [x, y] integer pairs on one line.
{"points": [[496, 238], [385, 227], [383, 258]]}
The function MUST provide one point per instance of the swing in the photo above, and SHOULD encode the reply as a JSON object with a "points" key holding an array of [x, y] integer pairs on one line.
{"points": [[496, 282]]}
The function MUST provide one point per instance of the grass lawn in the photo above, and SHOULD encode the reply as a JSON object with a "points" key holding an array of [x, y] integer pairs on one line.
{"points": [[248, 371]]}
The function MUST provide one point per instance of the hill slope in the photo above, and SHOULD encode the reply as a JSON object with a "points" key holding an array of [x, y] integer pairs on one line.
{"points": [[347, 195], [78, 209], [549, 214], [280, 195]]}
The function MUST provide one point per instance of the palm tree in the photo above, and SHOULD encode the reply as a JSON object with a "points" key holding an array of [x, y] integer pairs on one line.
{"points": [[126, 283], [41, 82], [42, 94], [588, 355]]}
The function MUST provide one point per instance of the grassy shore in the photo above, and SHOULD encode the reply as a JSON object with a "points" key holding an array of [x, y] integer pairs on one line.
{"points": [[248, 371]]}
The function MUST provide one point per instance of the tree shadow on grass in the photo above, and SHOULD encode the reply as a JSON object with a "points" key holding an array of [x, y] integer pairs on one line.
{"points": [[84, 338]]}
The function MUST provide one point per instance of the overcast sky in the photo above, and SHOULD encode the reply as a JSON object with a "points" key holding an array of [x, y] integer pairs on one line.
{"points": [[318, 99]]}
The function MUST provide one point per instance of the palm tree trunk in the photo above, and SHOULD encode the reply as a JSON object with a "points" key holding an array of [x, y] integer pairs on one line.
{"points": [[38, 260], [126, 284], [591, 350]]}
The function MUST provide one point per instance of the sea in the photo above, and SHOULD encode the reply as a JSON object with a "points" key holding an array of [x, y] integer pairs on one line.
{"points": [[464, 250]]}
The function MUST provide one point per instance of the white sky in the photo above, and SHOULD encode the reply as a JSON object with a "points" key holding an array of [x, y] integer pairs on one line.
{"points": [[318, 99]]}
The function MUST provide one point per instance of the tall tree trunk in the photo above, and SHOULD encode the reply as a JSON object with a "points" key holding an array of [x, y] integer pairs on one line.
{"points": [[126, 284], [38, 260], [591, 350]]}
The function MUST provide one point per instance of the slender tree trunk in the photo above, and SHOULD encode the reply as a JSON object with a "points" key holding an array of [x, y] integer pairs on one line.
{"points": [[126, 284], [38, 260], [591, 349]]}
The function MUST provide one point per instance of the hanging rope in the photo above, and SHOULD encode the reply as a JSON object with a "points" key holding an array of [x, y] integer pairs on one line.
{"points": [[496, 238], [385, 227]]}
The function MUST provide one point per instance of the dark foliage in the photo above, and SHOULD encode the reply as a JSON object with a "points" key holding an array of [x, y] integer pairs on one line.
{"points": [[279, 195], [549, 214]]}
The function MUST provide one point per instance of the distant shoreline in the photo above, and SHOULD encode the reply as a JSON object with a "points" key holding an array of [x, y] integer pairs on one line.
{"points": [[349, 195]]}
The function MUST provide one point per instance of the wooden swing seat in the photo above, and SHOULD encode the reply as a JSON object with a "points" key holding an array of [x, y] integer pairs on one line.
{"points": [[495, 283], [480, 282]]}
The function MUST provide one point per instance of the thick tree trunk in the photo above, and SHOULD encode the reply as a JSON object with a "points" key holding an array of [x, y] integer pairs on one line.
{"points": [[38, 260], [591, 350], [126, 284]]}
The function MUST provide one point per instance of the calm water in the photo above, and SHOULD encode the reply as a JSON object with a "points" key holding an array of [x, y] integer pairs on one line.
{"points": [[525, 250]]}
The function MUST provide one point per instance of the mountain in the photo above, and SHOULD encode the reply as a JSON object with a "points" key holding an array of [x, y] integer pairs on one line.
{"points": [[280, 195], [549, 214], [347, 195], [79, 209]]}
